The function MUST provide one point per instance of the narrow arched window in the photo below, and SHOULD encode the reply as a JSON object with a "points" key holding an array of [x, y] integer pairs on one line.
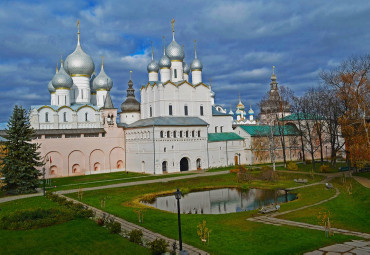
{"points": [[168, 134], [187, 133], [151, 111], [198, 133], [180, 134], [170, 110], [215, 129], [85, 116], [64, 116], [186, 110], [161, 134], [193, 133], [46, 117], [201, 110], [174, 134], [175, 73]]}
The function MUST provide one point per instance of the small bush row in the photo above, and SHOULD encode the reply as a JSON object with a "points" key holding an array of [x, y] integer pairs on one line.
{"points": [[113, 226], [80, 210], [35, 218]]}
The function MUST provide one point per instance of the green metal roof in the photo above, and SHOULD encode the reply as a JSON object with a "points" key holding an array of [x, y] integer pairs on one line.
{"points": [[228, 136], [302, 116], [265, 130]]}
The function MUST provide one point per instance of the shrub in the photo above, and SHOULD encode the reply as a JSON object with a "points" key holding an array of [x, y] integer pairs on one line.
{"points": [[32, 219], [136, 236], [308, 162], [268, 175], [158, 246], [292, 166], [100, 221], [234, 170], [266, 168], [324, 169], [114, 227], [244, 176]]}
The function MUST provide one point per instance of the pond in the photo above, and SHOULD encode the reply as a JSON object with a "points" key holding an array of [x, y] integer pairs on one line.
{"points": [[221, 201]]}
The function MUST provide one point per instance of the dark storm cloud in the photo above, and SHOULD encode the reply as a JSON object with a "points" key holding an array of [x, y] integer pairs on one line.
{"points": [[238, 42]]}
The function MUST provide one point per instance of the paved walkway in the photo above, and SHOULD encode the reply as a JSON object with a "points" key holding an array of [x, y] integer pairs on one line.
{"points": [[355, 247], [147, 234], [363, 181], [127, 184], [11, 198]]}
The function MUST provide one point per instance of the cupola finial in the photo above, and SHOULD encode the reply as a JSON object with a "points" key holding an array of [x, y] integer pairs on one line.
{"points": [[164, 46], [195, 45], [273, 69], [173, 29], [57, 68], [78, 32], [61, 61], [102, 61], [152, 50], [130, 74]]}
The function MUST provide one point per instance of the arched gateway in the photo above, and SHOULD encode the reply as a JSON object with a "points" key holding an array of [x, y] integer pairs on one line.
{"points": [[184, 164]]}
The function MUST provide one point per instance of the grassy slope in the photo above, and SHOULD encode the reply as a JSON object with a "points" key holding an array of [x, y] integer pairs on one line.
{"points": [[231, 233], [347, 211], [79, 236]]}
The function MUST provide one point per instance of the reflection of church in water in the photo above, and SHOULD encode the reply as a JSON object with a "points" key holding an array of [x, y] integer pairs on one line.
{"points": [[220, 201]]}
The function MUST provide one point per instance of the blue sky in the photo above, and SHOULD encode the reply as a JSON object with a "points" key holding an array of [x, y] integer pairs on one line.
{"points": [[238, 42]]}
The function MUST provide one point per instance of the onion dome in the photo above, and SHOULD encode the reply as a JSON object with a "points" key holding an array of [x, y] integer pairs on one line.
{"points": [[196, 65], [50, 84], [165, 61], [62, 80], [92, 90], [186, 68], [174, 51], [251, 112], [131, 104], [102, 81], [238, 112], [153, 66], [79, 63], [240, 104]]}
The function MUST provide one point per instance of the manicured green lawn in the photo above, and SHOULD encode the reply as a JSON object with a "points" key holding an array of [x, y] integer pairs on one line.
{"points": [[96, 180], [231, 233], [79, 236], [348, 211]]}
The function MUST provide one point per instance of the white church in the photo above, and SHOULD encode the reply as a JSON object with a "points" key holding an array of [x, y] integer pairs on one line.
{"points": [[176, 127]]}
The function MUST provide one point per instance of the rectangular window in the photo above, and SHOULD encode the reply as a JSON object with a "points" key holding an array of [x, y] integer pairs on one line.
{"points": [[186, 110], [170, 109], [46, 117], [221, 129], [151, 111], [65, 117], [201, 110], [215, 129], [92, 135], [175, 73], [73, 135], [82, 94], [52, 136]]}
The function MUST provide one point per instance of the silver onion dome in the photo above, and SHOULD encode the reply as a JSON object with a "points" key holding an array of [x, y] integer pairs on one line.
{"points": [[79, 63], [196, 65], [213, 94], [153, 67], [164, 62], [51, 87], [186, 68], [62, 80], [175, 52], [102, 81]]}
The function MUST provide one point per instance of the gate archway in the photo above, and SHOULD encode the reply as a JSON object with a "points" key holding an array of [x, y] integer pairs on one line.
{"points": [[184, 164]]}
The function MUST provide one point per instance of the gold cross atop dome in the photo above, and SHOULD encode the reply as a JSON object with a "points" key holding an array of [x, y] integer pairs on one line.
{"points": [[273, 69], [173, 25], [130, 74], [78, 26]]}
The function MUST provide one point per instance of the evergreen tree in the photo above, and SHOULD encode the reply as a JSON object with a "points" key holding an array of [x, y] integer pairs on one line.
{"points": [[21, 157]]}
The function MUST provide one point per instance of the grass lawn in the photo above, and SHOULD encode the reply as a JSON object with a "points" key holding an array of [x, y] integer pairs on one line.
{"points": [[79, 236], [347, 211], [85, 181], [366, 174], [231, 233]]}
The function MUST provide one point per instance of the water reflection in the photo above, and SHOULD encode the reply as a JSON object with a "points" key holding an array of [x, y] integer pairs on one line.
{"points": [[221, 201]]}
